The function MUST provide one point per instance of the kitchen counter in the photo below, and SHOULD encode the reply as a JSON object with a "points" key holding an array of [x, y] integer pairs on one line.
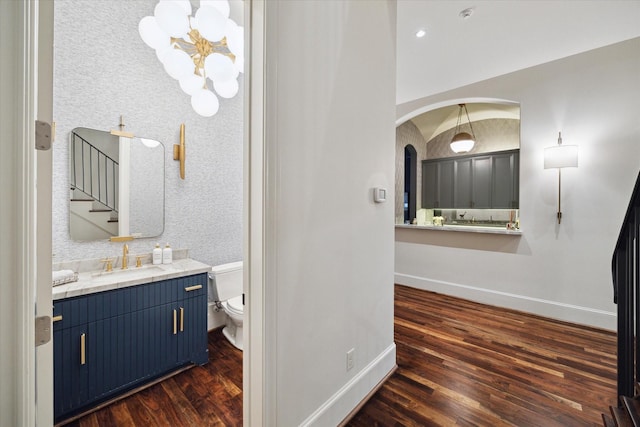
{"points": [[98, 281], [463, 228]]}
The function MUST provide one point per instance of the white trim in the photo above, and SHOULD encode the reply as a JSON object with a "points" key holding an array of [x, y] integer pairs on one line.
{"points": [[542, 307], [431, 107], [340, 405], [256, 399], [43, 291], [18, 242]]}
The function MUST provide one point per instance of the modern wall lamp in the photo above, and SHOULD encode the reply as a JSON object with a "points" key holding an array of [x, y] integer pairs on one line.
{"points": [[179, 151], [558, 157]]}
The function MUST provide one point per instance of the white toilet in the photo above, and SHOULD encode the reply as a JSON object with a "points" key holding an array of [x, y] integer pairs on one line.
{"points": [[227, 281]]}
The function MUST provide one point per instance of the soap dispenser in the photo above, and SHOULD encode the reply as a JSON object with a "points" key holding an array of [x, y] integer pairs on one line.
{"points": [[167, 255], [157, 255]]}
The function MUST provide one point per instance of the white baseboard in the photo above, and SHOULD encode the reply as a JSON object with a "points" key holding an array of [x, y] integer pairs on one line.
{"points": [[541, 307], [340, 405]]}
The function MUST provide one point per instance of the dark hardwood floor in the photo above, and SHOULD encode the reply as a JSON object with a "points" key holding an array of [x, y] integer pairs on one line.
{"points": [[459, 363], [467, 364]]}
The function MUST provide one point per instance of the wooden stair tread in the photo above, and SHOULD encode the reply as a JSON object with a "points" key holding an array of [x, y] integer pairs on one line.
{"points": [[621, 417], [608, 421], [82, 200], [112, 220], [633, 408], [100, 210]]}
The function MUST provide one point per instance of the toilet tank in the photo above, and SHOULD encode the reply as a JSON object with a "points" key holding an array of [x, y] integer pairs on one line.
{"points": [[227, 280]]}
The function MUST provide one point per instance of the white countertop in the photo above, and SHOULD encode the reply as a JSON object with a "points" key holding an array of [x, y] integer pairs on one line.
{"points": [[463, 228], [90, 282]]}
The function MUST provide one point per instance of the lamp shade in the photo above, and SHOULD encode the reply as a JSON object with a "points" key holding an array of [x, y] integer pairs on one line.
{"points": [[561, 156], [462, 142]]}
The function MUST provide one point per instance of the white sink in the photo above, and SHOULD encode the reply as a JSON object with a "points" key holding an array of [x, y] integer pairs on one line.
{"points": [[132, 273], [149, 268]]}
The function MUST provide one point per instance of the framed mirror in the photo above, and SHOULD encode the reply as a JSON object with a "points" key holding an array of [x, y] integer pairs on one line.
{"points": [[116, 186]]}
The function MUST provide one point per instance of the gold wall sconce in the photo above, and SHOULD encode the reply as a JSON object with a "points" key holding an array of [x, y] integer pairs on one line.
{"points": [[558, 157], [179, 151]]}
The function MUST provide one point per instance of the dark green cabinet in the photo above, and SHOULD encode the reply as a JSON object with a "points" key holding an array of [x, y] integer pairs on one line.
{"points": [[438, 184], [109, 342], [481, 183], [505, 180], [473, 182]]}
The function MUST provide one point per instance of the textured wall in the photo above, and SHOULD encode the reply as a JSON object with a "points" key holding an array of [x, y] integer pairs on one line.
{"points": [[102, 69], [408, 134]]}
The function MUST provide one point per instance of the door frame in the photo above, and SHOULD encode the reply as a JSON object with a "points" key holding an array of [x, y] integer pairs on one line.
{"points": [[258, 400], [22, 275]]}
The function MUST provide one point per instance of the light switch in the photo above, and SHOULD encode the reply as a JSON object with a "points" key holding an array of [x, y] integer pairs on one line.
{"points": [[379, 195]]}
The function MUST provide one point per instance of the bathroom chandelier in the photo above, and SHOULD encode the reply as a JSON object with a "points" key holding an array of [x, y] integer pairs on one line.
{"points": [[462, 141], [196, 49]]}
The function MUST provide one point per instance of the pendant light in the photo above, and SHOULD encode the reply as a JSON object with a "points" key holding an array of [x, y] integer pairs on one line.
{"points": [[463, 142], [195, 49]]}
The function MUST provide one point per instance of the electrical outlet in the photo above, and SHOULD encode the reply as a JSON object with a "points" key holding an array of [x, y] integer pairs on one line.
{"points": [[350, 355]]}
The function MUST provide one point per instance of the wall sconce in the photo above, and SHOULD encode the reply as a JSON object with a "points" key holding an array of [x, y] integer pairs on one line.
{"points": [[193, 49], [558, 157], [179, 151], [462, 142]]}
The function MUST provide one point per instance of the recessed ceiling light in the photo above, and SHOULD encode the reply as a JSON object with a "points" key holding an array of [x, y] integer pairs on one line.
{"points": [[466, 14], [421, 33]]}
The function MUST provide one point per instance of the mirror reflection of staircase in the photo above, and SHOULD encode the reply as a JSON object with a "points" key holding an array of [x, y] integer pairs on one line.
{"points": [[93, 207], [91, 217]]}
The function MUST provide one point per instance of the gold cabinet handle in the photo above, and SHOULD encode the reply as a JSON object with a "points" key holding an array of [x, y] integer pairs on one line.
{"points": [[83, 359], [192, 288], [181, 319], [175, 322], [57, 318]]}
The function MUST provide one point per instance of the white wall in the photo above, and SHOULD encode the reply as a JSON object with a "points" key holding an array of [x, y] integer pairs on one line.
{"points": [[330, 78], [561, 271], [103, 69]]}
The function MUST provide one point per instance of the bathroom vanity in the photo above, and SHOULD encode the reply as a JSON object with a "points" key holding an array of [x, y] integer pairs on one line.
{"points": [[115, 331]]}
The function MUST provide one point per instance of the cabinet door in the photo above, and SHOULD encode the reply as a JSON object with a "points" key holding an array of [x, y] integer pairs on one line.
{"points": [[192, 335], [114, 355], [70, 371], [504, 181], [446, 181], [429, 185], [463, 194], [481, 171]]}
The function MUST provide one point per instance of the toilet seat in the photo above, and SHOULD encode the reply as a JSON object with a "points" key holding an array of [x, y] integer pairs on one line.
{"points": [[234, 305]]}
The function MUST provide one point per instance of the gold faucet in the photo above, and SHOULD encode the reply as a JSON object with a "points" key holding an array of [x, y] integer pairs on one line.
{"points": [[125, 253]]}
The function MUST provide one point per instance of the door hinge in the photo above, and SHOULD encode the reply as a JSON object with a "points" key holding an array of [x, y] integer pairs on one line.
{"points": [[43, 330], [44, 135], [243, 298]]}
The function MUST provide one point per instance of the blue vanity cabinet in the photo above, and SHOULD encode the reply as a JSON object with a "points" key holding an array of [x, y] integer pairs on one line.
{"points": [[70, 368], [126, 337], [192, 312]]}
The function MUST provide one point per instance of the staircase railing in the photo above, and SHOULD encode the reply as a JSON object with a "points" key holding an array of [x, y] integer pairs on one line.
{"points": [[625, 267], [93, 172]]}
